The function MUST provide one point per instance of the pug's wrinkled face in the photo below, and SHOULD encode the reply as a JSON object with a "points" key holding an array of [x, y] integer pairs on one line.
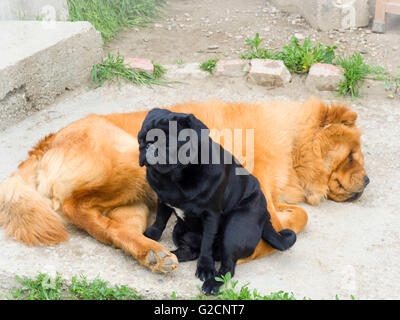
{"points": [[168, 140]]}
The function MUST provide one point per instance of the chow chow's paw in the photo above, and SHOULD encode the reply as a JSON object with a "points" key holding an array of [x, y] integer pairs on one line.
{"points": [[162, 261]]}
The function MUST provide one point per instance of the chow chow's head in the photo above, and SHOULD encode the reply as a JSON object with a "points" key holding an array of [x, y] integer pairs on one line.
{"points": [[169, 141], [341, 151]]}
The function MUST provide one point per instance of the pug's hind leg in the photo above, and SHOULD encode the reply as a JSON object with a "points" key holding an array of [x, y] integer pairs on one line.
{"points": [[188, 243]]}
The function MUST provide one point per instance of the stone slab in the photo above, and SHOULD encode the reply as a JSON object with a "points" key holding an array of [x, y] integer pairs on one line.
{"points": [[39, 61], [328, 15]]}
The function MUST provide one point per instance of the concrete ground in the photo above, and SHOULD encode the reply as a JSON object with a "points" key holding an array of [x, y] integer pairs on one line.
{"points": [[346, 249]]}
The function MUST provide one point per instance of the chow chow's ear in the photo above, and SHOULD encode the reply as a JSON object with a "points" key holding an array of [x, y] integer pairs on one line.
{"points": [[338, 114], [349, 118]]}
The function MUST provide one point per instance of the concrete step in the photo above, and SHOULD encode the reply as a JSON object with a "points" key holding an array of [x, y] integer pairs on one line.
{"points": [[40, 60]]}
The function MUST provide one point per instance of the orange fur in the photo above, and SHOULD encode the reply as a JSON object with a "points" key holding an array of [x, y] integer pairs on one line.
{"points": [[88, 173]]}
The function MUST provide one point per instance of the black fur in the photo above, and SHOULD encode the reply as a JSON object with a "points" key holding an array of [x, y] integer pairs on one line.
{"points": [[225, 214]]}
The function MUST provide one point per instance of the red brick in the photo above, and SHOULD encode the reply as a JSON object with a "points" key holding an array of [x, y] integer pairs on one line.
{"points": [[140, 64]]}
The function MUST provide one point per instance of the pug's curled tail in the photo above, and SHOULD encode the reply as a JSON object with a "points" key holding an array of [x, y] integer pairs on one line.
{"points": [[281, 240]]}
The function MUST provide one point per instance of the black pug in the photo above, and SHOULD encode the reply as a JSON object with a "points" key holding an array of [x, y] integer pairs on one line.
{"points": [[221, 216]]}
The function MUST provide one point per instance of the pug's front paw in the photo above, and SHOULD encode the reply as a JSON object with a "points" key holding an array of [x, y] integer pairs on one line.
{"points": [[205, 268]]}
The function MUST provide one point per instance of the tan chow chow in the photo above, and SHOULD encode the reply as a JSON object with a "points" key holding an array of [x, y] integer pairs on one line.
{"points": [[88, 173]]}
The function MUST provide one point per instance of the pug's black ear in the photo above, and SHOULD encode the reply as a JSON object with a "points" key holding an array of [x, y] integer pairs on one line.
{"points": [[197, 125]]}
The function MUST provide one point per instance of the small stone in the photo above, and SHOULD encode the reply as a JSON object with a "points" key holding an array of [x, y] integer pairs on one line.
{"points": [[140, 64], [231, 68], [299, 36], [185, 71], [213, 47], [271, 73], [324, 77]]}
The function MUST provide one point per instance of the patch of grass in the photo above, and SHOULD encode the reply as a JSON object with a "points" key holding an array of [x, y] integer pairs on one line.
{"points": [[179, 62], [392, 81], [255, 51], [297, 58], [111, 16], [355, 72], [114, 68], [209, 65], [99, 289], [229, 291], [159, 71], [45, 287]]}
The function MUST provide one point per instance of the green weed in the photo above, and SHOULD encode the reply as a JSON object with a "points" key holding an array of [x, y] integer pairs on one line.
{"points": [[98, 289], [209, 65], [297, 58], [392, 81], [355, 72], [159, 71], [111, 16], [230, 291], [114, 68], [255, 51], [43, 287]]}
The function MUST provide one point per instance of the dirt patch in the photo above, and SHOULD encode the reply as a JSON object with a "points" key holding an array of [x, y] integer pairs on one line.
{"points": [[200, 30]]}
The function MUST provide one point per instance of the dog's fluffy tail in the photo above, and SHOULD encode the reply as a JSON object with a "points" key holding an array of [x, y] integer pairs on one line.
{"points": [[26, 215], [281, 240]]}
